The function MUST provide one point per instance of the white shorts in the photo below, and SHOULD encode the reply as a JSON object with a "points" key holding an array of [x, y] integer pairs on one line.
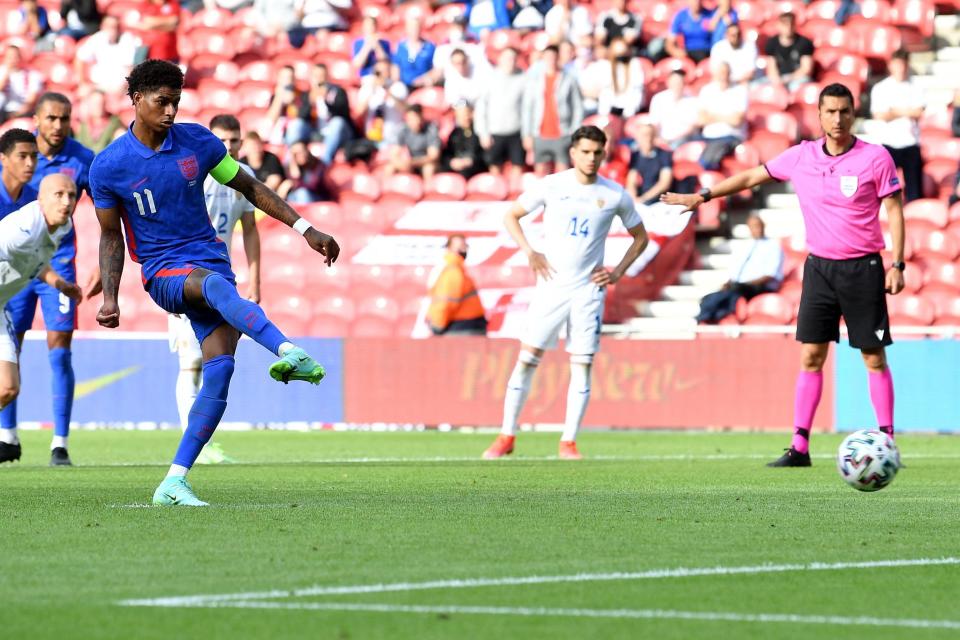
{"points": [[579, 310], [183, 340], [8, 339]]}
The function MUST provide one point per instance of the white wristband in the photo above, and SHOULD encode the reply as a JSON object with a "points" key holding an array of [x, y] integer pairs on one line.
{"points": [[302, 225]]}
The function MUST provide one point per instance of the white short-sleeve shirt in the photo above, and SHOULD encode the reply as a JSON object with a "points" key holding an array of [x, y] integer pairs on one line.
{"points": [[730, 101], [225, 206], [26, 247], [576, 221], [889, 94]]}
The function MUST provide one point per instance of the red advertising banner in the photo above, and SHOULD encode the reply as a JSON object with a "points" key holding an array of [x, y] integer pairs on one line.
{"points": [[636, 383]]}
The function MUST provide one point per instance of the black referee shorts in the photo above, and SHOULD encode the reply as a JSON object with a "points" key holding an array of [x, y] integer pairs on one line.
{"points": [[854, 289]]}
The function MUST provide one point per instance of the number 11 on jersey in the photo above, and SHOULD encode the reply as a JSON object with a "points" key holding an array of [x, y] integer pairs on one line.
{"points": [[579, 227], [139, 199]]}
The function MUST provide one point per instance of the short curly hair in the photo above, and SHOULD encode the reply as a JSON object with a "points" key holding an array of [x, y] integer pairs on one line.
{"points": [[152, 75], [11, 137]]}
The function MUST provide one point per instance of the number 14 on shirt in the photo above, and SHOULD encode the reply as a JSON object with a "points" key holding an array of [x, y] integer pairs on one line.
{"points": [[579, 227]]}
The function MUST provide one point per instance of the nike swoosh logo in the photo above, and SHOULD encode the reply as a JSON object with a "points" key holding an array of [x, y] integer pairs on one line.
{"points": [[86, 387], [137, 184], [167, 495]]}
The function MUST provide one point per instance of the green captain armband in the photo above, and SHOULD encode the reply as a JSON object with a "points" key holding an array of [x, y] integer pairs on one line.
{"points": [[226, 170]]}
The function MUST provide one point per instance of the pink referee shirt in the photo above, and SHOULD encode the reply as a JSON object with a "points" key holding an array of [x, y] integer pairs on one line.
{"points": [[839, 195]]}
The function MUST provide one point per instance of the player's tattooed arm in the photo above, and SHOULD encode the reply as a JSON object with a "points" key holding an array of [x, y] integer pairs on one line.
{"points": [[273, 205], [111, 265]]}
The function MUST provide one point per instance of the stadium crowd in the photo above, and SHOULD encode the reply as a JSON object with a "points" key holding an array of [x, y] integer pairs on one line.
{"points": [[340, 99]]}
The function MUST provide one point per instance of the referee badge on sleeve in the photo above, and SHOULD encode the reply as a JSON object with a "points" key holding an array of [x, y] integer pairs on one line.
{"points": [[848, 185]]}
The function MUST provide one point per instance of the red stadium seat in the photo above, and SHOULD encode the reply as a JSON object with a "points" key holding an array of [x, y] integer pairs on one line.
{"points": [[328, 326], [487, 186], [323, 215], [822, 9], [432, 100], [953, 214], [325, 282], [689, 151], [940, 147], [190, 102], [935, 244], [806, 94], [371, 279], [947, 308], [683, 169], [808, 121], [363, 187], [504, 39], [914, 14], [929, 210], [211, 41], [220, 99], [668, 65], [777, 122], [336, 45], [910, 310], [260, 71], [447, 13], [876, 11], [877, 41], [342, 72], [227, 73], [284, 245], [770, 145], [941, 277], [769, 308], [935, 122], [851, 65], [219, 19], [770, 94], [826, 33], [402, 188], [445, 186]]}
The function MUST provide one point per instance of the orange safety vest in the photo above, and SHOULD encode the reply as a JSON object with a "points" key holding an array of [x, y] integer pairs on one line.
{"points": [[453, 297]]}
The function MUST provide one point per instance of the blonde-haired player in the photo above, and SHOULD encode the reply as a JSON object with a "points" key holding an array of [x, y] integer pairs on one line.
{"points": [[578, 208], [225, 207]]}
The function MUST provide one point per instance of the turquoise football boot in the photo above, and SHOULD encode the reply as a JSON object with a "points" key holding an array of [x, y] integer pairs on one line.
{"points": [[297, 365], [175, 490]]}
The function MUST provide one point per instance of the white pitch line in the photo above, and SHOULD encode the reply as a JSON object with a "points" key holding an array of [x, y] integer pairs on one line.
{"points": [[654, 574], [642, 614]]}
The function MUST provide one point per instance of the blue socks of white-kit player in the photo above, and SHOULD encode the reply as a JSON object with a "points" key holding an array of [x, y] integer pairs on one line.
{"points": [[206, 413], [243, 315]]}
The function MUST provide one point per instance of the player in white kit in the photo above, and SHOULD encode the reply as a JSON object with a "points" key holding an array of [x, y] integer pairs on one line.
{"points": [[225, 207], [578, 208], [28, 239]]}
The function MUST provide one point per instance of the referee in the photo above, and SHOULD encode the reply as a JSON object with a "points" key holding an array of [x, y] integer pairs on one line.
{"points": [[841, 182]]}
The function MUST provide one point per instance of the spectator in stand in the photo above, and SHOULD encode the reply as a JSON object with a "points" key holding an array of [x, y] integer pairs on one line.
{"points": [[318, 15], [552, 110], [723, 116], [756, 267], [229, 5], [526, 14], [414, 56], [20, 86], [370, 47], [266, 166], [675, 112], [455, 307], [619, 22], [955, 122], [498, 121], [846, 9], [307, 177], [463, 152], [98, 127], [691, 25], [723, 17], [460, 81], [159, 20], [331, 113], [418, 148], [273, 17], [567, 20], [289, 111], [789, 55], [739, 54], [621, 93], [381, 100], [106, 58], [81, 18], [896, 105], [30, 20], [458, 40], [491, 15], [651, 168]]}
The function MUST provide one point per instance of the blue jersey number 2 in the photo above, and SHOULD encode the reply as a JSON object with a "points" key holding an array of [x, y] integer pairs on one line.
{"points": [[579, 227]]}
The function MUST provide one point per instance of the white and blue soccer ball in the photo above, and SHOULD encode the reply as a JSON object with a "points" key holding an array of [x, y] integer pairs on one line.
{"points": [[868, 460]]}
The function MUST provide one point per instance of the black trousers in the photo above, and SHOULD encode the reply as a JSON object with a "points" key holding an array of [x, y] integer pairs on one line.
{"points": [[908, 159]]}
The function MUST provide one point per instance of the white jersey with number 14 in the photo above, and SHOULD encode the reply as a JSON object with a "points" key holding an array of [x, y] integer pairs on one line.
{"points": [[576, 221]]}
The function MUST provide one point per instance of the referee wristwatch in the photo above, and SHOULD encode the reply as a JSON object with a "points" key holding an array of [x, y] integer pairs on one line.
{"points": [[705, 194], [899, 266]]}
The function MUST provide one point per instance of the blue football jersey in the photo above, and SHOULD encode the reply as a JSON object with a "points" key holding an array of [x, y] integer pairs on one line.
{"points": [[160, 196], [8, 205], [73, 160]]}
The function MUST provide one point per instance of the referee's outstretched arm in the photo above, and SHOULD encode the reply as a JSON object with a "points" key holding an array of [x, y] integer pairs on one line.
{"points": [[744, 180]]}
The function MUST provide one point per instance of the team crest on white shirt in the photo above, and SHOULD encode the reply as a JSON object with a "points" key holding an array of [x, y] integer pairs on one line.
{"points": [[848, 185], [600, 203]]}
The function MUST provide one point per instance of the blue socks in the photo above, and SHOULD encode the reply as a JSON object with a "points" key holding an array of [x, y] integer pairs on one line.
{"points": [[8, 416], [61, 365], [207, 409], [242, 315]]}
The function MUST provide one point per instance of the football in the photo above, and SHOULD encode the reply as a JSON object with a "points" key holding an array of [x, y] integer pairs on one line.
{"points": [[868, 460]]}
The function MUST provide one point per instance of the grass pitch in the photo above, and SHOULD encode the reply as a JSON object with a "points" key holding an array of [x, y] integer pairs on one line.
{"points": [[713, 544]]}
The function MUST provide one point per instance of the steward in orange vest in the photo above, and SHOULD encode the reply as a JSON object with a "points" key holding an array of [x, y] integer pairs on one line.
{"points": [[455, 306]]}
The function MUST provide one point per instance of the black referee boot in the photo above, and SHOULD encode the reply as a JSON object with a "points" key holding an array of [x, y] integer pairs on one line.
{"points": [[792, 458], [60, 458], [9, 452]]}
